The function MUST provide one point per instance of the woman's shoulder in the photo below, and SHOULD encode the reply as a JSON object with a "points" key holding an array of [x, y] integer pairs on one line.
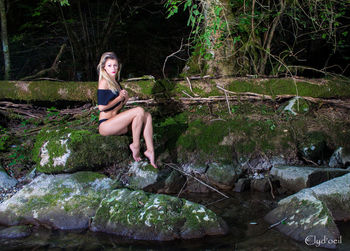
{"points": [[102, 84]]}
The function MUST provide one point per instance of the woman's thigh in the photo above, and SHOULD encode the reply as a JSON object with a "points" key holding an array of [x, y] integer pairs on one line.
{"points": [[119, 123]]}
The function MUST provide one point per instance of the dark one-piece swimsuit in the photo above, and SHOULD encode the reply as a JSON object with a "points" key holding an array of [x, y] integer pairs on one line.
{"points": [[103, 97]]}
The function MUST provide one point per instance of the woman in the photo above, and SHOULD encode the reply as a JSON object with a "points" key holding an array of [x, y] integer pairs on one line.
{"points": [[111, 98]]}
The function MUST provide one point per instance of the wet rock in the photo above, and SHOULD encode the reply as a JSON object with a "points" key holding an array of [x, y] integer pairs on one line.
{"points": [[223, 176], [142, 175], [29, 177], [15, 232], [260, 185], [161, 217], [242, 185], [340, 158], [295, 178], [314, 147], [67, 150], [174, 182], [302, 219], [64, 201], [195, 168], [6, 182], [312, 212], [194, 186]]}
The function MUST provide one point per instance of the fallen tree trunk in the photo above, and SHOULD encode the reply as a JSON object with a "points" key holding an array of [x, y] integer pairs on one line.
{"points": [[48, 91], [148, 91]]}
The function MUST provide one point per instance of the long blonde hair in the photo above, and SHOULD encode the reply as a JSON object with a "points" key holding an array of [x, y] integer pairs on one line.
{"points": [[112, 84]]}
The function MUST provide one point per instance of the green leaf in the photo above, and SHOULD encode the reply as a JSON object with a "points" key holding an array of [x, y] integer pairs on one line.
{"points": [[187, 4]]}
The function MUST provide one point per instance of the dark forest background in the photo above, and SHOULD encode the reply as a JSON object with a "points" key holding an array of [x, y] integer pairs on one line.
{"points": [[137, 31], [142, 36]]}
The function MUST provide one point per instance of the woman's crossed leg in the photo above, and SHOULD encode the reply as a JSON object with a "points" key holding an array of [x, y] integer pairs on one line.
{"points": [[136, 118]]}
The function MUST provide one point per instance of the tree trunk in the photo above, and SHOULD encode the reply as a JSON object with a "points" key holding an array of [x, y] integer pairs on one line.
{"points": [[4, 38], [219, 64]]}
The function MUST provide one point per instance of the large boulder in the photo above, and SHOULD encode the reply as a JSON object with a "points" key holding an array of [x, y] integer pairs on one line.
{"points": [[308, 216], [295, 178], [68, 150], [145, 216], [63, 201]]}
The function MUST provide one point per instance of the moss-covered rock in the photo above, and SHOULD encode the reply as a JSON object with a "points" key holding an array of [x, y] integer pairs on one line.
{"points": [[311, 212], [68, 150], [146, 216], [142, 175], [63, 201], [223, 176], [304, 220]]}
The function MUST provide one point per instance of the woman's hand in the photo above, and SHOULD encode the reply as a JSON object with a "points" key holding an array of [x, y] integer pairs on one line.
{"points": [[125, 95]]}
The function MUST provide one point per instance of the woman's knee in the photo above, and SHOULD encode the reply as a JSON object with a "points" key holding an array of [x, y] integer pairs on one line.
{"points": [[140, 111], [148, 116]]}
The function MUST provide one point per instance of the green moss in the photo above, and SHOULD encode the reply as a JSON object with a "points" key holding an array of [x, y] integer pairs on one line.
{"points": [[203, 136], [87, 177], [197, 216], [274, 87], [77, 136], [78, 146], [48, 200], [153, 216]]}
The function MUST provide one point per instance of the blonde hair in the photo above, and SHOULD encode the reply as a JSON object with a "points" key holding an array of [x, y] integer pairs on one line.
{"points": [[111, 83]]}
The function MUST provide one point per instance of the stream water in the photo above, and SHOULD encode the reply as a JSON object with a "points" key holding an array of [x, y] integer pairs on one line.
{"points": [[243, 213]]}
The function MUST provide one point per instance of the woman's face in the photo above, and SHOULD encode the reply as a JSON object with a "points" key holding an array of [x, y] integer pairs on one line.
{"points": [[111, 67]]}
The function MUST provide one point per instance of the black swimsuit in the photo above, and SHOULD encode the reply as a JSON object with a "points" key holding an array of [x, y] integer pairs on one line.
{"points": [[103, 97]]}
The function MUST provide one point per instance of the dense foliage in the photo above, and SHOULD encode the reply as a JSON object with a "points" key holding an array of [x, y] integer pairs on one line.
{"points": [[270, 36], [63, 39]]}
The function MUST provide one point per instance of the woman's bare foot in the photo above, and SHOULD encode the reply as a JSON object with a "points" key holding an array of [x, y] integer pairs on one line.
{"points": [[135, 152], [150, 155]]}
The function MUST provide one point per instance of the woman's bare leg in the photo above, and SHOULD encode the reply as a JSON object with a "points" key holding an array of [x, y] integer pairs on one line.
{"points": [[118, 125], [148, 136], [136, 127]]}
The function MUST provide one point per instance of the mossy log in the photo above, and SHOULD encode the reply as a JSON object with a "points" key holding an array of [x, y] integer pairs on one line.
{"points": [[48, 91], [163, 90]]}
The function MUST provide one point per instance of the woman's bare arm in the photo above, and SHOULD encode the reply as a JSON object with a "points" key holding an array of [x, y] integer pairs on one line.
{"points": [[103, 85]]}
